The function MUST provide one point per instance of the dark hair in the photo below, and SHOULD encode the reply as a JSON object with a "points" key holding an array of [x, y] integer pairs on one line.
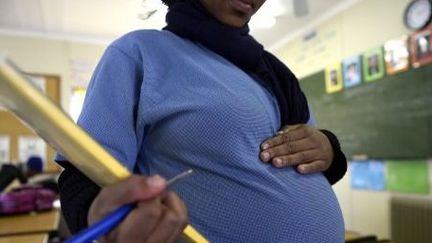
{"points": [[35, 163], [169, 2]]}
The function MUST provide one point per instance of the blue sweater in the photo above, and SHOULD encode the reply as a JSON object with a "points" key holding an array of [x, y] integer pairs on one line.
{"points": [[161, 105]]}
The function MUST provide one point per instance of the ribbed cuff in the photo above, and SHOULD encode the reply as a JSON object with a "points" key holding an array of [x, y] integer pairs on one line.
{"points": [[339, 165], [77, 193]]}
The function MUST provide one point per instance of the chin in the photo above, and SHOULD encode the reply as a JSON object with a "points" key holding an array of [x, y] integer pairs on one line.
{"points": [[236, 21], [237, 25]]}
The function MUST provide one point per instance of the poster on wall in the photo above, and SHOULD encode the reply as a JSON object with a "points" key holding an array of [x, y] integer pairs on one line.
{"points": [[396, 55], [421, 47], [408, 176], [352, 71], [373, 64], [4, 149], [81, 71], [333, 80], [369, 175], [29, 146]]}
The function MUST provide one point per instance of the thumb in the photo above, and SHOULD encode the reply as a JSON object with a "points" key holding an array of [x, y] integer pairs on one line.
{"points": [[135, 188]]}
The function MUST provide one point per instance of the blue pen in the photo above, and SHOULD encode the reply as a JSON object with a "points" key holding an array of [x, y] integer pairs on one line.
{"points": [[110, 221]]}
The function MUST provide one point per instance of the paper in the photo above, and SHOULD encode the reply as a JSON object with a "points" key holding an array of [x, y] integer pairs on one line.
{"points": [[373, 65], [4, 149], [333, 78], [81, 71], [408, 176], [352, 71], [396, 55], [368, 174], [29, 146]]}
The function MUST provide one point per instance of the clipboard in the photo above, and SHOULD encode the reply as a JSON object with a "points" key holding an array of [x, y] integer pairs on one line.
{"points": [[51, 123]]}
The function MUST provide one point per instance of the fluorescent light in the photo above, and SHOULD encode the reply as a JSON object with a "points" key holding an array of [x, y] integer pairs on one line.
{"points": [[262, 22], [265, 18], [150, 8], [152, 4]]}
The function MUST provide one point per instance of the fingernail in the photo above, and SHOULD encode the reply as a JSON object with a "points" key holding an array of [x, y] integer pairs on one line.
{"points": [[302, 169], [156, 181], [265, 156], [278, 162], [265, 146]]}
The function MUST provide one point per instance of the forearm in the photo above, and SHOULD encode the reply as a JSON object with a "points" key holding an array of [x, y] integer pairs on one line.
{"points": [[338, 167], [76, 195]]}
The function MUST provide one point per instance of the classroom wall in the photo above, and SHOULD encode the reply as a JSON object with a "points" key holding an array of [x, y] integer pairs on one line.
{"points": [[72, 61], [368, 24]]}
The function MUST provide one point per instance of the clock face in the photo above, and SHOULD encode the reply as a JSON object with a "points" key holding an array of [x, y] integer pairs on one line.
{"points": [[418, 14]]}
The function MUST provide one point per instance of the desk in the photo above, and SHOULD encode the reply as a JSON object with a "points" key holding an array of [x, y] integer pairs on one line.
{"points": [[41, 222], [351, 235], [33, 238]]}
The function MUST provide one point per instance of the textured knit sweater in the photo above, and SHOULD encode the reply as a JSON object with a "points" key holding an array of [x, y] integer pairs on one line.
{"points": [[161, 105]]}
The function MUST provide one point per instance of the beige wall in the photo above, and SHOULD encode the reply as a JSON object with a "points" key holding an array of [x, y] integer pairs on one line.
{"points": [[366, 25], [368, 212], [45, 56]]}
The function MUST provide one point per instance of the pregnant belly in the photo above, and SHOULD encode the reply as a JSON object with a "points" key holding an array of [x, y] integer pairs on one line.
{"points": [[276, 206]]}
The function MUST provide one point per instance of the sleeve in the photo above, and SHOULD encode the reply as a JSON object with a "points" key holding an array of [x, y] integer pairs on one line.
{"points": [[339, 165], [111, 104], [109, 116], [76, 195], [338, 168]]}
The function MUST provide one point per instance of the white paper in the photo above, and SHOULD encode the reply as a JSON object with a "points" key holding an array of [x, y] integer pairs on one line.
{"points": [[31, 146], [4, 149]]}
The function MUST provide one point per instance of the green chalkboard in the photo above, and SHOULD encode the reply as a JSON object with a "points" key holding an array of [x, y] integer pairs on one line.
{"points": [[390, 118]]}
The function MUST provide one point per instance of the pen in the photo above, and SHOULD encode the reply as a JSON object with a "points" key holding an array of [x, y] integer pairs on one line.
{"points": [[110, 221]]}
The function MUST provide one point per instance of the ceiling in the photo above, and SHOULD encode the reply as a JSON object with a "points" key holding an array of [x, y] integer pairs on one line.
{"points": [[104, 20]]}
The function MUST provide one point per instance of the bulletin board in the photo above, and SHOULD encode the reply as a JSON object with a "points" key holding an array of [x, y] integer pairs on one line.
{"points": [[12, 127], [390, 118]]}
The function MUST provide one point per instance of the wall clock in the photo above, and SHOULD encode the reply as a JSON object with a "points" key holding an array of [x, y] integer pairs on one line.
{"points": [[418, 14]]}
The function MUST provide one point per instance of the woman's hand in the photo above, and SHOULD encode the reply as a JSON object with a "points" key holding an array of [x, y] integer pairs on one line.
{"points": [[298, 145], [158, 217]]}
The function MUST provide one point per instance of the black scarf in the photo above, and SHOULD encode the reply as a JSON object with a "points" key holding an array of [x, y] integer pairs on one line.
{"points": [[192, 21]]}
